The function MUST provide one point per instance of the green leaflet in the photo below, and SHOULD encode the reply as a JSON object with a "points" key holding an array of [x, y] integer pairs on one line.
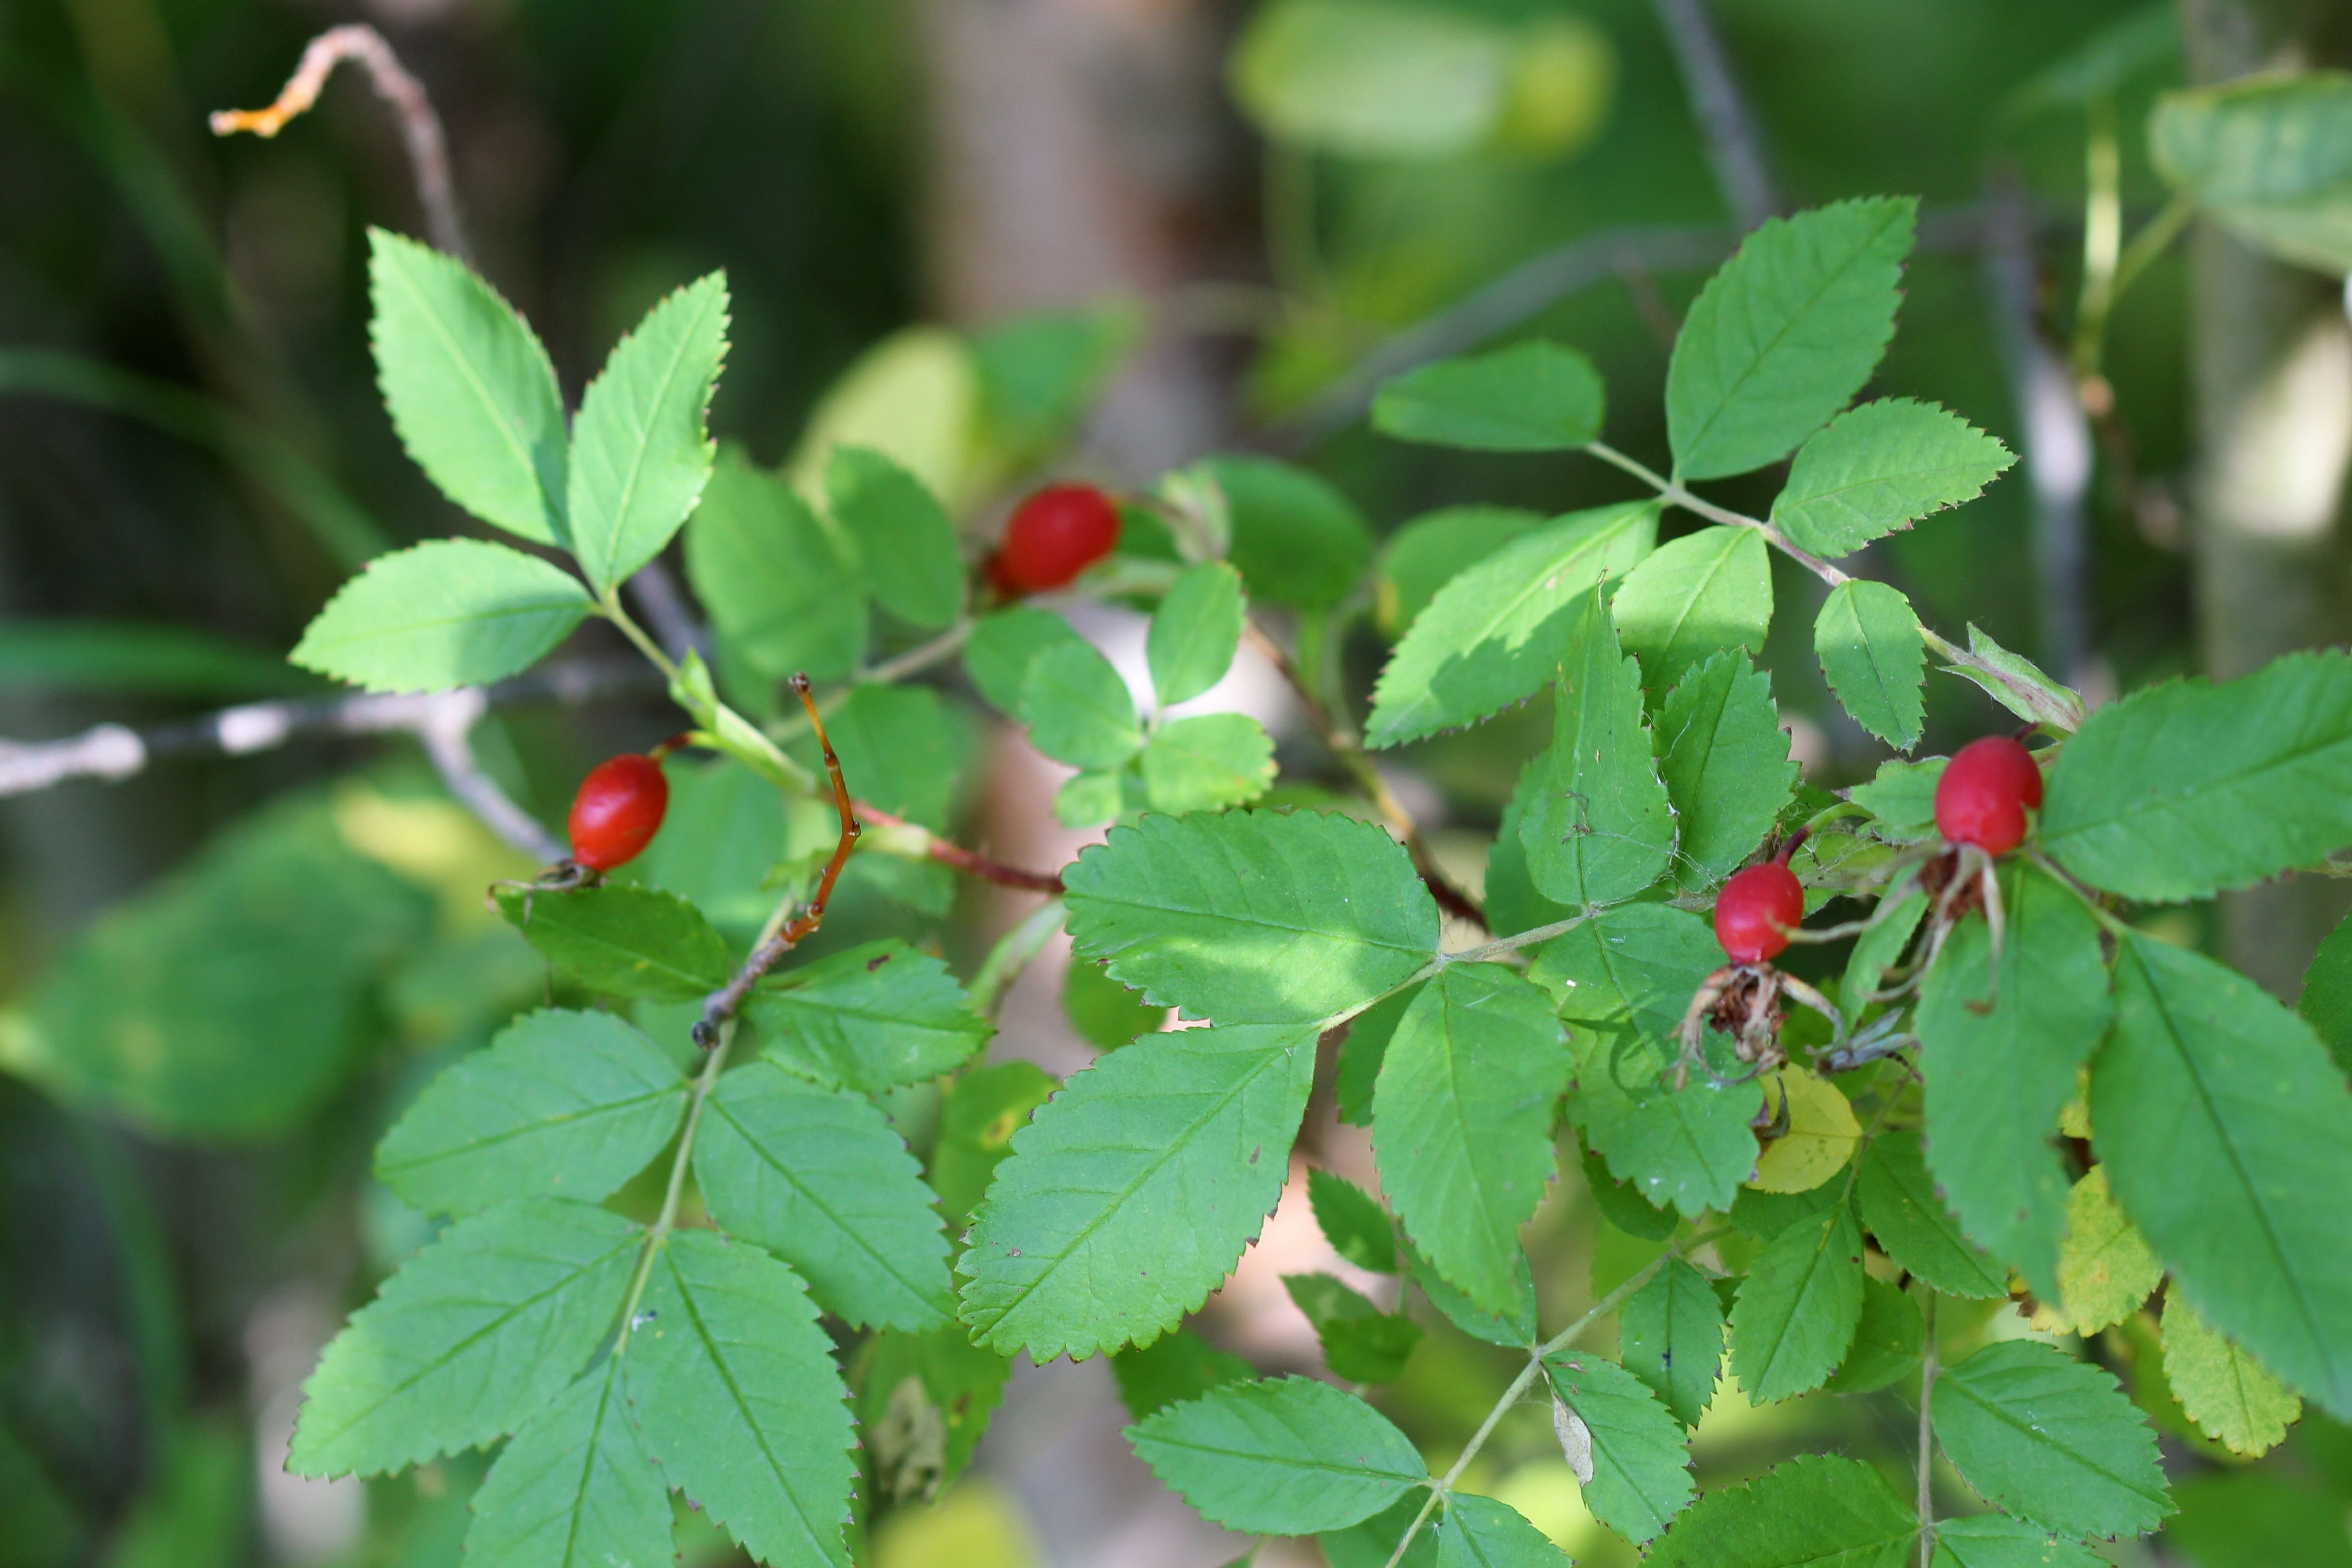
{"points": [[1002, 645], [912, 561], [1479, 1532], [1284, 1457], [1702, 593], [488, 1324], [1462, 1122], [2049, 1438], [456, 612], [1784, 334], [1887, 1340], [1362, 1051], [1178, 1366], [723, 833], [1296, 539], [1913, 1227], [1353, 1222], [1078, 709], [1625, 1209], [1689, 1148], [639, 453], [1492, 635], [2327, 1000], [1207, 762], [2041, 701], [1253, 917], [1599, 828], [1882, 467], [2226, 1133], [1135, 1189], [782, 583], [1515, 1326], [468, 387], [979, 1113], [869, 1018], [1797, 1310], [2264, 158], [1639, 1476], [821, 1179], [1902, 796], [1867, 639], [1424, 554], [562, 1104], [1724, 761], [1875, 951], [2184, 789], [576, 1489], [1997, 1079], [734, 1387], [1997, 1541], [622, 940], [1637, 964], [2238, 1518], [1195, 633], [2225, 1391], [1512, 902], [1106, 1014], [1041, 371], [1360, 1342], [1671, 1335], [1818, 1511], [1530, 397]]}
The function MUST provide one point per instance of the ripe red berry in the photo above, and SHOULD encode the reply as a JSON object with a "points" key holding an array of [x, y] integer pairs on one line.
{"points": [[617, 812], [1982, 797], [1755, 911], [1056, 534]]}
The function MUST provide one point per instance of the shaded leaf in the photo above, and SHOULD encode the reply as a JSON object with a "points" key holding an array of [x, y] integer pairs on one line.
{"points": [[1285, 1457], [1360, 1342], [869, 1018], [782, 584], [1078, 709], [1913, 1227], [622, 939], [1797, 1310], [574, 1489], [1194, 633], [1819, 1512], [912, 561], [1533, 396], [1671, 1335], [1724, 761], [1207, 762], [1599, 828], [1641, 1472], [1353, 1222], [2049, 1438]]}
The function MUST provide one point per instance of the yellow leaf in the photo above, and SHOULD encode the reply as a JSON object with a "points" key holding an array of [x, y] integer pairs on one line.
{"points": [[2104, 1267], [2225, 1391], [1821, 1137]]}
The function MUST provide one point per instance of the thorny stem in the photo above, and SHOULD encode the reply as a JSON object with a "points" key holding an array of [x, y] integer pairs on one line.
{"points": [[1527, 1373], [1926, 1432], [1348, 752]]}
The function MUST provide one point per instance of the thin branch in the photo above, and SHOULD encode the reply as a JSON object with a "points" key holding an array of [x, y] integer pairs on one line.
{"points": [[446, 731], [1734, 144], [1926, 1433], [665, 609], [915, 841], [420, 128]]}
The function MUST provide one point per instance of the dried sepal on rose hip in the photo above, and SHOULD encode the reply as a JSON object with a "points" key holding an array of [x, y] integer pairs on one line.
{"points": [[1053, 535]]}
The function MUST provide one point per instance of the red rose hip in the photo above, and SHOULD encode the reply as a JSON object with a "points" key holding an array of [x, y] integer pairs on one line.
{"points": [[1983, 796], [1755, 911], [617, 812], [1056, 534]]}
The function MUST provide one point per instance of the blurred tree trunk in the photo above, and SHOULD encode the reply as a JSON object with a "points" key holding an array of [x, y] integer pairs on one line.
{"points": [[2272, 368]]}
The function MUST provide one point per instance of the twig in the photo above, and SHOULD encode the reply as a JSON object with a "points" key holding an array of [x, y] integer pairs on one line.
{"points": [[446, 731], [674, 623], [420, 128], [1926, 1432], [916, 841], [1349, 755], [1734, 145]]}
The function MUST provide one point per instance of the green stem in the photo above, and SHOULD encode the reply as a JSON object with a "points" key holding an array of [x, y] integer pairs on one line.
{"points": [[1926, 1432], [1012, 954], [703, 1083]]}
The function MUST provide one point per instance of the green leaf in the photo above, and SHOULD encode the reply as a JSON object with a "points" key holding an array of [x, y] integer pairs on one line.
{"points": [[1090, 800], [998, 654], [622, 940], [1877, 951], [1818, 1511], [1195, 633], [1253, 917], [1462, 1122], [1885, 1348], [1207, 762], [1479, 1532], [1491, 636], [1636, 965], [1424, 554], [1360, 1342], [1671, 1335], [2001, 1055], [1902, 796], [1284, 1457], [924, 1406], [1296, 539], [1371, 80], [1135, 1190], [2023, 687], [1362, 1051], [1796, 1313], [576, 1488], [1882, 467], [1702, 592], [2052, 1440], [564, 1104], [1690, 1148], [913, 397], [1868, 639], [2264, 157], [819, 1178], [1913, 1227], [1725, 766], [2225, 1391], [1625, 1209], [2240, 1519], [2327, 1000], [2227, 1136], [456, 612], [734, 1387], [1353, 1222], [1515, 1326], [979, 1114], [913, 562], [1600, 828], [468, 387], [781, 583], [2104, 1267], [1784, 334], [1178, 1366], [2186, 789], [1106, 1014], [1530, 397], [1638, 1477], [869, 1018], [474, 1334], [639, 453], [1077, 708], [1997, 1541]]}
